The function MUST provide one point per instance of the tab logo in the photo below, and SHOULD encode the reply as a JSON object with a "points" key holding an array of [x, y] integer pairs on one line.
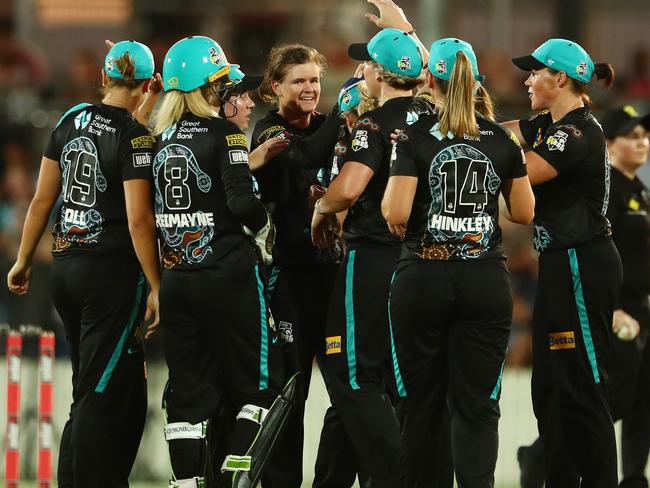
{"points": [[81, 120], [561, 340], [332, 345]]}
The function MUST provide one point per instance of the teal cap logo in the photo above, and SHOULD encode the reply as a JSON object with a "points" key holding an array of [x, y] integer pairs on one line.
{"points": [[442, 58]]}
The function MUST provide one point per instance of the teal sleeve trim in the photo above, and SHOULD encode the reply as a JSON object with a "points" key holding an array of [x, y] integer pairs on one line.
{"points": [[582, 314], [70, 110], [119, 348], [401, 390], [349, 321], [264, 334]]}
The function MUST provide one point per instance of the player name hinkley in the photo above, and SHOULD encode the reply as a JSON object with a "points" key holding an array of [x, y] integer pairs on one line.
{"points": [[185, 219], [454, 224]]}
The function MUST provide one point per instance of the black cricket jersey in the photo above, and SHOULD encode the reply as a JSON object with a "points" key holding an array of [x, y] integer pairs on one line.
{"points": [[371, 145], [570, 209], [455, 212], [284, 189], [203, 195], [98, 147], [629, 213]]}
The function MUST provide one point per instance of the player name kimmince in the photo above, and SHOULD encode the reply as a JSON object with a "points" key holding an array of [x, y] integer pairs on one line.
{"points": [[185, 219], [454, 224]]}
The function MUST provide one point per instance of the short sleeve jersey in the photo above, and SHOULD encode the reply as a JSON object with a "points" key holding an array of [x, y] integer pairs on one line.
{"points": [[371, 145], [455, 212], [199, 164], [629, 213], [570, 208], [98, 147], [284, 191]]}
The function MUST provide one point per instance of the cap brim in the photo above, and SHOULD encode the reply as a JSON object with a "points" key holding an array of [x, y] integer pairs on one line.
{"points": [[645, 122], [251, 82], [359, 52], [528, 63]]}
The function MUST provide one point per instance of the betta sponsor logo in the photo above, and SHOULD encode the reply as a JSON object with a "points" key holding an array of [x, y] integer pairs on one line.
{"points": [[332, 345], [561, 340]]}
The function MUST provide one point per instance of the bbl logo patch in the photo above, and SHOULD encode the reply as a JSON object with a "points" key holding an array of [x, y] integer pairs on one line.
{"points": [[404, 64], [109, 64], [347, 98], [441, 67], [561, 340], [332, 345], [557, 141], [360, 140], [581, 69]]}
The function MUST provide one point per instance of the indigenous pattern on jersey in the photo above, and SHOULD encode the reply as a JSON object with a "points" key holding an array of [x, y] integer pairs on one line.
{"points": [[98, 147], [370, 145], [201, 175], [284, 191], [629, 213], [570, 209], [455, 212]]}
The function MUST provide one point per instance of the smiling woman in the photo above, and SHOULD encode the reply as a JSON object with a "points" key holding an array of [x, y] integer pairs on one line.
{"points": [[301, 278]]}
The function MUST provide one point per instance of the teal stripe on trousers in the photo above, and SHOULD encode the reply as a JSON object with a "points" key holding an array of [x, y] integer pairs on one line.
{"points": [[401, 391], [117, 352], [349, 321], [497, 387], [264, 334], [582, 314]]}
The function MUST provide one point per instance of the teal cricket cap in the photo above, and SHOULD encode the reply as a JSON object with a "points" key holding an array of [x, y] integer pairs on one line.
{"points": [[350, 94], [442, 58], [393, 49], [140, 55], [560, 55]]}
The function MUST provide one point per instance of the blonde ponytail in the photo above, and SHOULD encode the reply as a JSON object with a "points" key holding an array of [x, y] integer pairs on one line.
{"points": [[176, 103], [457, 112]]}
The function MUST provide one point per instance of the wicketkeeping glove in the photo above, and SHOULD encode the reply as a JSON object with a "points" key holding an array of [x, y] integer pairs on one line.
{"points": [[264, 240]]}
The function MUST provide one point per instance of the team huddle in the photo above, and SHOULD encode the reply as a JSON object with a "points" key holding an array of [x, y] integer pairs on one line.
{"points": [[367, 239]]}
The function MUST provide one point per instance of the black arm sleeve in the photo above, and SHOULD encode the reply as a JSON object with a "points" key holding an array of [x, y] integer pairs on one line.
{"points": [[314, 151], [238, 185]]}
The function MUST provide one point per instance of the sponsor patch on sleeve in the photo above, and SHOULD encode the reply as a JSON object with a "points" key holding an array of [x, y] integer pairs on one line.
{"points": [[237, 156], [271, 132], [561, 340], [236, 140], [332, 345], [360, 140], [143, 142], [141, 160]]}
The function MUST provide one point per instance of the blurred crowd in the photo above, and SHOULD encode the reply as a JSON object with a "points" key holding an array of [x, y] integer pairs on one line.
{"points": [[33, 95]]}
